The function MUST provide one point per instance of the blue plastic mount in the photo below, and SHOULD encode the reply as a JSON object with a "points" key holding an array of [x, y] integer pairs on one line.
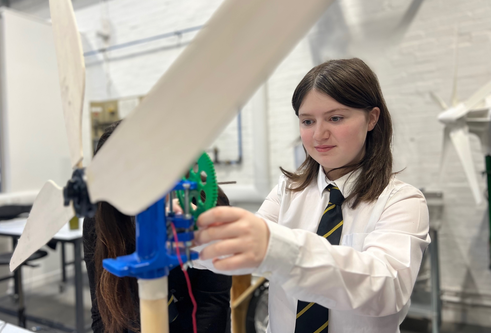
{"points": [[155, 254]]}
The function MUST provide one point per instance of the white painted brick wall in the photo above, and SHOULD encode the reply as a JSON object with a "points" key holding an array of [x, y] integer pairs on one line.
{"points": [[409, 68]]}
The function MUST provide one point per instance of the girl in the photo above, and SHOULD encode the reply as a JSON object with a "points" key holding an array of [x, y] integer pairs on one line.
{"points": [[341, 239], [115, 305]]}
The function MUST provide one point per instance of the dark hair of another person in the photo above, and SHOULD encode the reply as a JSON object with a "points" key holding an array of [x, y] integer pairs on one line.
{"points": [[352, 83], [117, 298]]}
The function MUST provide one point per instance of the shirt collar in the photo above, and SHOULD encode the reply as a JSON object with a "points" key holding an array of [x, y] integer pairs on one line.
{"points": [[344, 183]]}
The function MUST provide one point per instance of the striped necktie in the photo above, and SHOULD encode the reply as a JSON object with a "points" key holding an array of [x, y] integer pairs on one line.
{"points": [[312, 317]]}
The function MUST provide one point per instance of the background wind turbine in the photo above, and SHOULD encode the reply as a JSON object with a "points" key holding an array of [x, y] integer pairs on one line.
{"points": [[456, 120]]}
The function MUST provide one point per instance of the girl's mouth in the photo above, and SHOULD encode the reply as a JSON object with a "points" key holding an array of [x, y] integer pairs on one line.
{"points": [[322, 149]]}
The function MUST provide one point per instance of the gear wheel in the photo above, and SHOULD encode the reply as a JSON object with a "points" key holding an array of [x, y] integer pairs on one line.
{"points": [[205, 196]]}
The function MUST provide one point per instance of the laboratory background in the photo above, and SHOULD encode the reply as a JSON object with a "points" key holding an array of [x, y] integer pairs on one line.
{"points": [[429, 55]]}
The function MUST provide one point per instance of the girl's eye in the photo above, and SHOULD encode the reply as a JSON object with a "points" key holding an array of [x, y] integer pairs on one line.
{"points": [[336, 119], [307, 122]]}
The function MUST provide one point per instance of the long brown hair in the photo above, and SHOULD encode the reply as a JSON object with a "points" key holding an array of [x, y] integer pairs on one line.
{"points": [[352, 83], [117, 298]]}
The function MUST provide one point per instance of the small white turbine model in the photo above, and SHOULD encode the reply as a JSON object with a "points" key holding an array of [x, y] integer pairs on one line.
{"points": [[479, 122], [472, 116], [458, 120], [193, 101]]}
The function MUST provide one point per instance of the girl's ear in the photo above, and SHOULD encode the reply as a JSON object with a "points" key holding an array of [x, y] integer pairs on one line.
{"points": [[373, 115]]}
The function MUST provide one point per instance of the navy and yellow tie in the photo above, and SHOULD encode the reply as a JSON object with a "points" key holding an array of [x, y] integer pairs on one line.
{"points": [[312, 317]]}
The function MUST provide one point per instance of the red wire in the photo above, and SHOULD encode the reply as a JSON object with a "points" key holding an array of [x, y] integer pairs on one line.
{"points": [[195, 306]]}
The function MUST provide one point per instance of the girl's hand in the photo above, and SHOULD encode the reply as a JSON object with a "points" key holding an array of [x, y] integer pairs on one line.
{"points": [[242, 237], [176, 207]]}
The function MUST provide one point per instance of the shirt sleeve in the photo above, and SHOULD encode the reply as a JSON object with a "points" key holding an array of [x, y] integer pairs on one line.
{"points": [[374, 281], [89, 240], [270, 208]]}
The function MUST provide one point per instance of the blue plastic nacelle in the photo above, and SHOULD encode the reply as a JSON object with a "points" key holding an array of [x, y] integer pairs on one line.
{"points": [[155, 254]]}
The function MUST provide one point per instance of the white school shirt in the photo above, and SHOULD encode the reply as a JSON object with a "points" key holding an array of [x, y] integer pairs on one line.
{"points": [[367, 280]]}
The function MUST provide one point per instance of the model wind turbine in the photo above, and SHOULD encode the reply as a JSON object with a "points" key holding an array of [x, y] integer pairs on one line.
{"points": [[193, 101], [471, 116], [456, 120]]}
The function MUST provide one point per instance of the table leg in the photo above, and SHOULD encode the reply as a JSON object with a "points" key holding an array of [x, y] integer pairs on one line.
{"points": [[79, 302], [63, 263], [21, 309], [16, 288], [19, 291], [435, 282]]}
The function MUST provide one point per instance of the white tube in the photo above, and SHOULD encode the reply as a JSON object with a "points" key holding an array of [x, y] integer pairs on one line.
{"points": [[154, 315]]}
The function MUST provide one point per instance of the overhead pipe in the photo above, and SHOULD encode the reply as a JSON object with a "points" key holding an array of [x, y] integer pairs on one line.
{"points": [[177, 33]]}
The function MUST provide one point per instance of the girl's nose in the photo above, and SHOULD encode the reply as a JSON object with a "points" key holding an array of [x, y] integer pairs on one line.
{"points": [[321, 132]]}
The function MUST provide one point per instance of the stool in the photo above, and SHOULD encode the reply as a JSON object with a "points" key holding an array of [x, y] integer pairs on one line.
{"points": [[17, 276]]}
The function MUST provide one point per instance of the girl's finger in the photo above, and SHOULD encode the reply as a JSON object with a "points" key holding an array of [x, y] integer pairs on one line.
{"points": [[222, 248], [219, 215], [238, 261], [217, 232], [176, 207]]}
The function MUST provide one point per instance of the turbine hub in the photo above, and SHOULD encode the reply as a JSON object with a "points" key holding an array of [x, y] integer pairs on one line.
{"points": [[76, 192]]}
